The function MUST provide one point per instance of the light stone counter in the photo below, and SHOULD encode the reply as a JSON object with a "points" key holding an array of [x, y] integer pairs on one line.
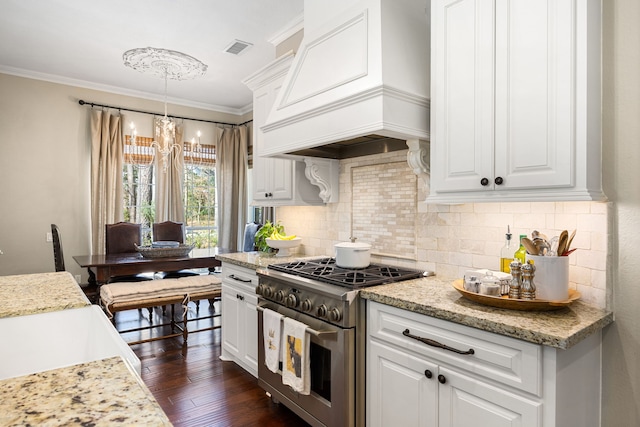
{"points": [[255, 260], [436, 297], [100, 393], [39, 293]]}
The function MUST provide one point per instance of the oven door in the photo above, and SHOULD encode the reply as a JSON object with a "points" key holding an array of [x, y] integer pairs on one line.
{"points": [[332, 353]]}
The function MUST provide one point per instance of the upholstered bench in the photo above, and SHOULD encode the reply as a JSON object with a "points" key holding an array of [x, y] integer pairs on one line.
{"points": [[115, 297]]}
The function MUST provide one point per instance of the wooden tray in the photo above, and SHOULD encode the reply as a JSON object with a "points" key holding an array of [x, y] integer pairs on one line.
{"points": [[515, 304]]}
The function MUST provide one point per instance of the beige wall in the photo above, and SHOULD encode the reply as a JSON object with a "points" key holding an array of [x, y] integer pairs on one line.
{"points": [[44, 166], [621, 151]]}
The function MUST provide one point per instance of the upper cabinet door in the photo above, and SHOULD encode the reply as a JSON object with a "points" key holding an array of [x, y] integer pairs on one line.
{"points": [[516, 105], [462, 94], [272, 178], [535, 107]]}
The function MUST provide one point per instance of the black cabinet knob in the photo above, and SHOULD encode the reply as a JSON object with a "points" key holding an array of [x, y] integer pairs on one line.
{"points": [[442, 379], [428, 374], [484, 182], [498, 180]]}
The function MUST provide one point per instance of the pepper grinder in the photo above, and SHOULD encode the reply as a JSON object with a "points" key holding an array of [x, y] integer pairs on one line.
{"points": [[528, 289], [516, 281]]}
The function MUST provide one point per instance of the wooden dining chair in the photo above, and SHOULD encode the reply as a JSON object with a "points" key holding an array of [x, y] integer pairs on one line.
{"points": [[168, 231], [173, 232], [58, 257], [122, 237]]}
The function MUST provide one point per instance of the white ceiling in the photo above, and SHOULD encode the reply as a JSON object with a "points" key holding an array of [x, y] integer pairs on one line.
{"points": [[81, 42]]}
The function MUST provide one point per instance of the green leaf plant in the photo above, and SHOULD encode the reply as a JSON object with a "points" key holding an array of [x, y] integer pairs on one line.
{"points": [[264, 232]]}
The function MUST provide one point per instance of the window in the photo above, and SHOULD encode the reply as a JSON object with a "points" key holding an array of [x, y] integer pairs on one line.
{"points": [[139, 185], [199, 190], [200, 195]]}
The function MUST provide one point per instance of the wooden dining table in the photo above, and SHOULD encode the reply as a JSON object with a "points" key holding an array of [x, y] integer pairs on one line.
{"points": [[102, 267]]}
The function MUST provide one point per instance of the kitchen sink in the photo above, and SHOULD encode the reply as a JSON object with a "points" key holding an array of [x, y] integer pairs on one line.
{"points": [[45, 341]]}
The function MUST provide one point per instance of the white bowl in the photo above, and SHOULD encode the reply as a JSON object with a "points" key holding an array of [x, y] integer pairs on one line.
{"points": [[283, 246]]}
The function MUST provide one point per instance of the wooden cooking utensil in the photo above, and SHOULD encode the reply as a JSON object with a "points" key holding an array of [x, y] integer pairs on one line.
{"points": [[562, 242], [573, 234], [531, 248]]}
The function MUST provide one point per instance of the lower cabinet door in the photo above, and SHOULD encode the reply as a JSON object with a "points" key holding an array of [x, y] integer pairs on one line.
{"points": [[231, 344], [402, 389], [465, 401], [250, 338]]}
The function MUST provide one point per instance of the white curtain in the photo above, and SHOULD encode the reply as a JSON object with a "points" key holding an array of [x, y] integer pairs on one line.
{"points": [[169, 195], [231, 175], [106, 174]]}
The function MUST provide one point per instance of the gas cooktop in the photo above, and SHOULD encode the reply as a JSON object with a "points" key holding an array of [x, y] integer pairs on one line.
{"points": [[326, 270]]}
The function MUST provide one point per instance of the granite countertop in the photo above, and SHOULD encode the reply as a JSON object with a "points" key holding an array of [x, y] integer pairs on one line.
{"points": [[99, 393], [435, 297], [255, 260], [39, 293]]}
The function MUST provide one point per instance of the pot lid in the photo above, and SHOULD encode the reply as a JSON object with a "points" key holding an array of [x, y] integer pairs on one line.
{"points": [[352, 244]]}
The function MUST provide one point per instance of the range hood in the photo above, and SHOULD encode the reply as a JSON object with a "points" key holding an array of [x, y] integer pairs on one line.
{"points": [[359, 83]]}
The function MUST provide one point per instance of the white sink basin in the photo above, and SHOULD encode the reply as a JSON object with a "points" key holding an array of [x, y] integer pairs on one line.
{"points": [[45, 341]]}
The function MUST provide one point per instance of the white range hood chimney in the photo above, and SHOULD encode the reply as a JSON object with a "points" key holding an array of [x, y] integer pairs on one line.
{"points": [[360, 78]]}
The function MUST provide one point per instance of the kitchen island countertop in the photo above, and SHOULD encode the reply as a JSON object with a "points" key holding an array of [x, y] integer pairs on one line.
{"points": [[39, 293], [436, 297], [102, 392]]}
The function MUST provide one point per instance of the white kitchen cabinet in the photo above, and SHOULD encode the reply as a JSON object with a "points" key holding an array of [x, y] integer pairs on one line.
{"points": [[515, 101], [505, 382], [279, 181], [240, 317]]}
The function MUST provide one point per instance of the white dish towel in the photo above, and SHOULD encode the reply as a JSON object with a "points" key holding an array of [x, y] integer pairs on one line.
{"points": [[271, 331], [296, 365]]}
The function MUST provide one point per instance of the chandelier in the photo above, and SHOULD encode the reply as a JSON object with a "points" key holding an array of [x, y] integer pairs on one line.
{"points": [[168, 64]]}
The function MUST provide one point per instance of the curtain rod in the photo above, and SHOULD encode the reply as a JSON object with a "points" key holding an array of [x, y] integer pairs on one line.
{"points": [[93, 104]]}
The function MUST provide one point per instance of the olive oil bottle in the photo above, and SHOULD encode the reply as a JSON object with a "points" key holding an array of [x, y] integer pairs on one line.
{"points": [[521, 253], [506, 254]]}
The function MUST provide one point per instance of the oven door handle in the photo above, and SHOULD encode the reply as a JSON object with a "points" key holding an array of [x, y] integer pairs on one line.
{"points": [[319, 334]]}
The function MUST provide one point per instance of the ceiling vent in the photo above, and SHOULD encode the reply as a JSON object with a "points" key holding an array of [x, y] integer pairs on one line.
{"points": [[237, 47]]}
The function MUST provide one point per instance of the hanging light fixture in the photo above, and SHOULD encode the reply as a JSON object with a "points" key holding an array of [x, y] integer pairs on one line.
{"points": [[168, 64]]}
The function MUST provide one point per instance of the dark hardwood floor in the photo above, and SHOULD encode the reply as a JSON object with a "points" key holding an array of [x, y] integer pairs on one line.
{"points": [[192, 385]]}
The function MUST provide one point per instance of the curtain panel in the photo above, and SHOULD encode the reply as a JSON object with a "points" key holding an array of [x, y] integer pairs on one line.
{"points": [[169, 184], [231, 167], [106, 174]]}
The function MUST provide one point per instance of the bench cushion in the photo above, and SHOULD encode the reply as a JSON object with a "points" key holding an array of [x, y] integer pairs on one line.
{"points": [[140, 291]]}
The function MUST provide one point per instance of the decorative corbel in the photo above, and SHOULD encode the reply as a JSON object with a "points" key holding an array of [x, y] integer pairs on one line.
{"points": [[324, 174], [419, 159]]}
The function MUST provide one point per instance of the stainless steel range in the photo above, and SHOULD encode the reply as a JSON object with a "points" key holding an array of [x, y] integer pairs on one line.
{"points": [[324, 297]]}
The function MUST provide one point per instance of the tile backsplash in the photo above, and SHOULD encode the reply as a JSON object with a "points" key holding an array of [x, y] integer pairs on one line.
{"points": [[382, 203]]}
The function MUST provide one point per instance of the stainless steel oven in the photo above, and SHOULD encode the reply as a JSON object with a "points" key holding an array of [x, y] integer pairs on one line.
{"points": [[326, 299], [332, 397]]}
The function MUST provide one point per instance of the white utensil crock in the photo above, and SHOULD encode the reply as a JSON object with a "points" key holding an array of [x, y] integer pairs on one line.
{"points": [[353, 255], [551, 277]]}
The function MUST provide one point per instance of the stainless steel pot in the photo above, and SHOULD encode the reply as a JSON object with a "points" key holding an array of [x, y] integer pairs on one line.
{"points": [[352, 254]]}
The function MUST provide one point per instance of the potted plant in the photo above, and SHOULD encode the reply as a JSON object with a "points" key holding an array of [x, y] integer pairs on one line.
{"points": [[265, 231]]}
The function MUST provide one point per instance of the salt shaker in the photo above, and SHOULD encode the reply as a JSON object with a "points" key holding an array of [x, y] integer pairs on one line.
{"points": [[528, 288], [516, 281]]}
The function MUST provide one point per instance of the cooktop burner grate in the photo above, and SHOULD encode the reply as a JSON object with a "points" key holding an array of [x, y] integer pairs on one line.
{"points": [[326, 270]]}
